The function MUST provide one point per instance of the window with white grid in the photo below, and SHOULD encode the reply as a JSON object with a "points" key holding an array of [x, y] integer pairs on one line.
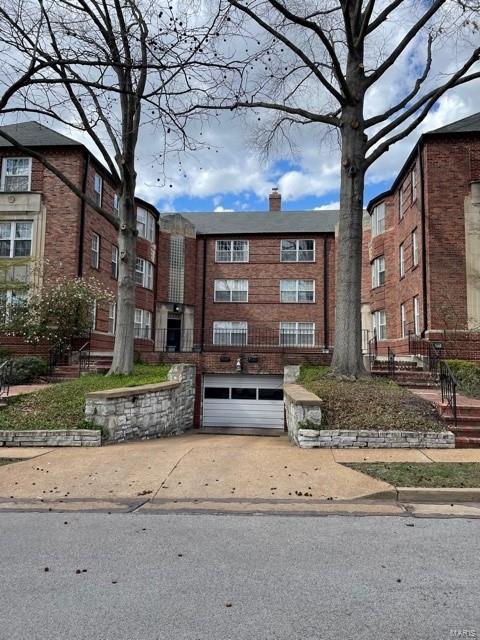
{"points": [[15, 239], [231, 251], [144, 273], [378, 272], [145, 224], [231, 291], [16, 174], [177, 269], [112, 317], [378, 219], [98, 189], [297, 334], [114, 266], [142, 327], [10, 302], [230, 333], [297, 291], [297, 251], [95, 259]]}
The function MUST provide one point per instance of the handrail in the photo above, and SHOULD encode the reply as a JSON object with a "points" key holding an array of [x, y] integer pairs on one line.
{"points": [[5, 376], [372, 349], [84, 357], [448, 385]]}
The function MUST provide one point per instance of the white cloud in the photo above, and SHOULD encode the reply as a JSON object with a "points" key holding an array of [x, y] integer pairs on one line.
{"points": [[326, 207], [221, 209]]}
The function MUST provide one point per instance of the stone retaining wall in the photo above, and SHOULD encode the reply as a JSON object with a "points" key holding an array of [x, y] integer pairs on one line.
{"points": [[149, 411], [53, 438], [345, 439], [304, 418]]}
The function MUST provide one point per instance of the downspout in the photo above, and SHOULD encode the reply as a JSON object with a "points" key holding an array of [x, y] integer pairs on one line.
{"points": [[204, 287], [325, 292], [424, 241], [86, 166]]}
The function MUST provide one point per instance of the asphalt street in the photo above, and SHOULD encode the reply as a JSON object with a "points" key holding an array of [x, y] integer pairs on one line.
{"points": [[197, 577]]}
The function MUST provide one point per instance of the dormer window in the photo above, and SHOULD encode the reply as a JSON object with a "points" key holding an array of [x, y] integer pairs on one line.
{"points": [[16, 174]]}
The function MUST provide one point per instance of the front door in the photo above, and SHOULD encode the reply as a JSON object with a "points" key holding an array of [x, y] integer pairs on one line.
{"points": [[174, 334]]}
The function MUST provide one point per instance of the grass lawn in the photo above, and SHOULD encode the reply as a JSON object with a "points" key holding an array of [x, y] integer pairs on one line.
{"points": [[369, 403], [423, 474], [61, 406]]}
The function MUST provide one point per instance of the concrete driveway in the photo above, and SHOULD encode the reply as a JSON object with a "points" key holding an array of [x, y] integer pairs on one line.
{"points": [[197, 472], [190, 467]]}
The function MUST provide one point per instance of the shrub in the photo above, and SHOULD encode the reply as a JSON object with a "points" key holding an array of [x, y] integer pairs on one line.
{"points": [[26, 369], [467, 375], [4, 354]]}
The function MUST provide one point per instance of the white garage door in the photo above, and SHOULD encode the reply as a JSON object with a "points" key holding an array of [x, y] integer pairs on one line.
{"points": [[243, 401]]}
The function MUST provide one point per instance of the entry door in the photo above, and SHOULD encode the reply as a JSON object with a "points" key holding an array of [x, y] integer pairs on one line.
{"points": [[174, 334], [243, 401]]}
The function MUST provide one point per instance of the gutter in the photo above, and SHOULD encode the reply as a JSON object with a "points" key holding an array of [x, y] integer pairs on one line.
{"points": [[424, 242], [86, 167]]}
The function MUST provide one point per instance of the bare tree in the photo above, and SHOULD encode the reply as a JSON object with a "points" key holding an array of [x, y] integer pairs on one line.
{"points": [[105, 67], [311, 62]]}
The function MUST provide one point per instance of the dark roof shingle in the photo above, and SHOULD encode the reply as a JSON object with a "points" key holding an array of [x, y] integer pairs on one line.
{"points": [[264, 222], [34, 134], [465, 125]]}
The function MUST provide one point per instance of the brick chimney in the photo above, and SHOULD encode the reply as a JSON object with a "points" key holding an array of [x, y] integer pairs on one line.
{"points": [[275, 200]]}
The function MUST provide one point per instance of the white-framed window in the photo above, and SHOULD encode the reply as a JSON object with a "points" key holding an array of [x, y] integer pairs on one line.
{"points": [[93, 315], [416, 316], [403, 321], [144, 273], [114, 265], [297, 251], [15, 239], [231, 251], [230, 333], [378, 272], [16, 174], [401, 259], [380, 324], [176, 278], [414, 248], [378, 219], [413, 180], [10, 301], [112, 318], [95, 262], [231, 291], [142, 327], [145, 224], [98, 189], [401, 201], [297, 334], [297, 291], [116, 203]]}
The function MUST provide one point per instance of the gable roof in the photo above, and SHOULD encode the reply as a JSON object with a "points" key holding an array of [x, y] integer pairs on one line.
{"points": [[263, 222], [34, 134], [465, 125]]}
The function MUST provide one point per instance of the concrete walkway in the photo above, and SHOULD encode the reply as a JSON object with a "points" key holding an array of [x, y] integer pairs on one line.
{"points": [[197, 471], [22, 389]]}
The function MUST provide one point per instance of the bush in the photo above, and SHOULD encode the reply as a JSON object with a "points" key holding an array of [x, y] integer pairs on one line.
{"points": [[467, 375], [27, 369], [4, 354]]}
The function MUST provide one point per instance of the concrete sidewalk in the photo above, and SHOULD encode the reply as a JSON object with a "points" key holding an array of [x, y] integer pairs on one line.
{"points": [[195, 471]]}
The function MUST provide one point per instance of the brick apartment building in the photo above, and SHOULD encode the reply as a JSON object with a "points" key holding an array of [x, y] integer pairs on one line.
{"points": [[422, 247], [244, 294]]}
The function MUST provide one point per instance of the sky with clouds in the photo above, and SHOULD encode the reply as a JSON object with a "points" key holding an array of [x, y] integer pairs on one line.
{"points": [[229, 174]]}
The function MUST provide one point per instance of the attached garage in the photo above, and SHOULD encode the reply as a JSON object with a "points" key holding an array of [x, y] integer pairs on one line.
{"points": [[243, 401]]}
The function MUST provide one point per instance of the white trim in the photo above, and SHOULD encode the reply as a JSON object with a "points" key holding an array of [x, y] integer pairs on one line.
{"points": [[95, 250], [98, 194], [376, 221], [415, 247], [13, 239], [296, 332], [230, 328], [377, 317], [376, 271], [232, 251], [115, 254], [416, 316], [146, 273], [297, 250], [401, 260], [297, 291], [4, 171], [231, 289], [403, 320]]}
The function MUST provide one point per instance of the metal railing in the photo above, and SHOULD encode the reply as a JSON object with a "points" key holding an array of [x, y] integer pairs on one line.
{"points": [[84, 358], [5, 377], [183, 340], [439, 368], [372, 349], [448, 384], [391, 364]]}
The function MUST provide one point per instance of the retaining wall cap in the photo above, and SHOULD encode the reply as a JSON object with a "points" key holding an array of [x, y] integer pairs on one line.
{"points": [[299, 395], [125, 392]]}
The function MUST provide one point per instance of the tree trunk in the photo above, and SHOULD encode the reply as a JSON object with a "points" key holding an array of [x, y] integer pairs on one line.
{"points": [[347, 356], [123, 351]]}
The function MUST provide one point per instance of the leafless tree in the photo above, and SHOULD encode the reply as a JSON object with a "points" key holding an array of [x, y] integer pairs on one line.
{"points": [[106, 67], [321, 62]]}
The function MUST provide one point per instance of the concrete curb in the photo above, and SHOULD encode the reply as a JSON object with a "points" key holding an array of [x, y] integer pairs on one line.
{"points": [[435, 495]]}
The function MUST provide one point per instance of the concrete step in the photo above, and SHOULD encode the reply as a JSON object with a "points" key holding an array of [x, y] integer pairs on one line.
{"points": [[464, 411]]}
